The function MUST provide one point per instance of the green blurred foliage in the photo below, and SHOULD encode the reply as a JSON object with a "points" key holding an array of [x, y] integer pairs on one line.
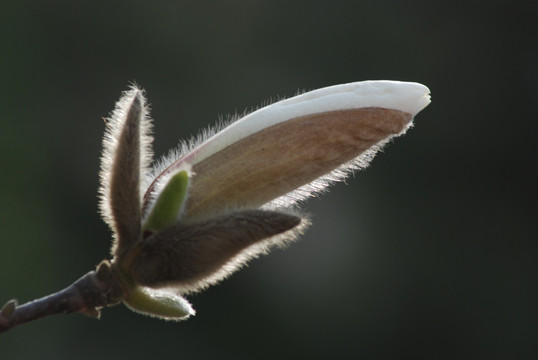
{"points": [[430, 253]]}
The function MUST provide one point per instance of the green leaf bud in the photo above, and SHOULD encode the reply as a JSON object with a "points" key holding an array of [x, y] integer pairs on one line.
{"points": [[160, 303], [169, 202]]}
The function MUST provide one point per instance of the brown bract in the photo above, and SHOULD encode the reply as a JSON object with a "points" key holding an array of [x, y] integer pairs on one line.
{"points": [[125, 178], [193, 256]]}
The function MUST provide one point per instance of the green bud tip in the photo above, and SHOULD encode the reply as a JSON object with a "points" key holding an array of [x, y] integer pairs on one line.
{"points": [[169, 204], [158, 303]]}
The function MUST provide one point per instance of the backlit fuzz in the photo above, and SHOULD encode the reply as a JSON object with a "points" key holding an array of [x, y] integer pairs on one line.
{"points": [[209, 207], [206, 209]]}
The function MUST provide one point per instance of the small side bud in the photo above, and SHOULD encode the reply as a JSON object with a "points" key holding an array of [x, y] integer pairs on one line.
{"points": [[9, 308], [91, 313], [104, 270], [158, 303]]}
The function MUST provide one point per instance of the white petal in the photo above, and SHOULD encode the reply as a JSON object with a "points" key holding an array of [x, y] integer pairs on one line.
{"points": [[408, 97]]}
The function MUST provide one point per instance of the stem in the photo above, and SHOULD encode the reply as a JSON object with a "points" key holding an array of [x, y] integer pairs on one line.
{"points": [[87, 295]]}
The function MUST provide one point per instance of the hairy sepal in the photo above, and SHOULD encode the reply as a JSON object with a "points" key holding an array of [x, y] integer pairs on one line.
{"points": [[192, 256], [125, 160]]}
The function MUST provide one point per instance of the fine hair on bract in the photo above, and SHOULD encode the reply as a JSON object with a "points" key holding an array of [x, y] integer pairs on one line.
{"points": [[209, 206]]}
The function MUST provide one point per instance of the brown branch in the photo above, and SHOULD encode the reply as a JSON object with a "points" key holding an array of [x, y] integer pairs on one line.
{"points": [[87, 296]]}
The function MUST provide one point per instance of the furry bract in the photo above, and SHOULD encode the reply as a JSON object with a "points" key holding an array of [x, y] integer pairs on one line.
{"points": [[214, 203]]}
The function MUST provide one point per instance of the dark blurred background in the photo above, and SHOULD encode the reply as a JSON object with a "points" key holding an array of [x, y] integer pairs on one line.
{"points": [[430, 253]]}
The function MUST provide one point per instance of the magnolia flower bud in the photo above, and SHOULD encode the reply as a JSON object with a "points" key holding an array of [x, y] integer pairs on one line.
{"points": [[209, 208]]}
